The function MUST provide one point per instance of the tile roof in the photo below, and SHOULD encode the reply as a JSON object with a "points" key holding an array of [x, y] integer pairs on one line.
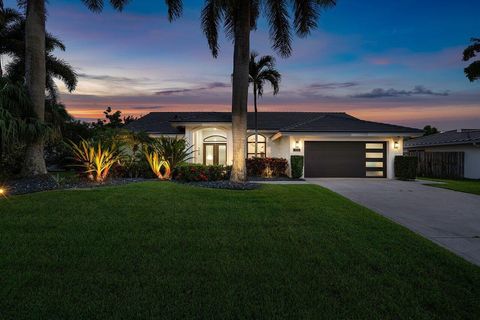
{"points": [[161, 122], [464, 136]]}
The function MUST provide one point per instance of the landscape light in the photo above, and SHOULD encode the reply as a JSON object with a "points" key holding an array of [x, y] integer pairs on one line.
{"points": [[3, 192]]}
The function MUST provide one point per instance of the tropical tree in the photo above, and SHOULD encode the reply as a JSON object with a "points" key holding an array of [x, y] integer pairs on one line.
{"points": [[262, 71], [429, 130], [473, 70], [35, 69], [239, 18]]}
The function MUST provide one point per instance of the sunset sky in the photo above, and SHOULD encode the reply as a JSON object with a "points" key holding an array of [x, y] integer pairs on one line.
{"points": [[390, 61]]}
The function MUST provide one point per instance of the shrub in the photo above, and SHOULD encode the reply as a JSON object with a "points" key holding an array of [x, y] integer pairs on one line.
{"points": [[175, 150], [406, 167], [198, 172], [267, 167], [160, 167], [96, 160], [133, 166], [296, 163]]}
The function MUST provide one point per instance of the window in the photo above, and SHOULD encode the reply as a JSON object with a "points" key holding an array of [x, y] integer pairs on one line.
{"points": [[374, 173], [374, 155], [374, 164], [374, 146], [215, 139], [261, 146]]}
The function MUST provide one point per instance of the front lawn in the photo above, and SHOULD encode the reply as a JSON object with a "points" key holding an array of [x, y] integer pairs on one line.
{"points": [[463, 185], [164, 250]]}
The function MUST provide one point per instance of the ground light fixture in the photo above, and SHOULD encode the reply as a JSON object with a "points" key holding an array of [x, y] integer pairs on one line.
{"points": [[3, 192]]}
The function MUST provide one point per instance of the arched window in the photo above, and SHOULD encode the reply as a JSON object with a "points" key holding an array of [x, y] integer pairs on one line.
{"points": [[215, 139], [261, 146]]}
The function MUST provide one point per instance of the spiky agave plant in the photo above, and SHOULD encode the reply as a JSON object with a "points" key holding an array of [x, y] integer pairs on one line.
{"points": [[96, 160], [157, 163]]}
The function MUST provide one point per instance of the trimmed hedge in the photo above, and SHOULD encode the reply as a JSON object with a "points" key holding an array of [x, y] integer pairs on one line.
{"points": [[406, 167], [198, 172], [260, 167], [296, 163]]}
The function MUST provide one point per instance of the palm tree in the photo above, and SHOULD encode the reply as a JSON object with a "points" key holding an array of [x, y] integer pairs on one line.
{"points": [[35, 69], [262, 71], [473, 70], [239, 18]]}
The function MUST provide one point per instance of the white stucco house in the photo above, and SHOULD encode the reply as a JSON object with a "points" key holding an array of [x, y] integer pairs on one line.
{"points": [[465, 141], [333, 144]]}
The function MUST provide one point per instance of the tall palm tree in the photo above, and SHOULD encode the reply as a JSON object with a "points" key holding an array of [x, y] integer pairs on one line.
{"points": [[473, 70], [35, 68], [262, 71], [239, 18], [35, 71]]}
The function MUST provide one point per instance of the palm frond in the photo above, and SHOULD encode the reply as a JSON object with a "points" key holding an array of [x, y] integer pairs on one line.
{"points": [[472, 50], [306, 14], [97, 5], [278, 19], [211, 18], [473, 71], [52, 43], [175, 9], [62, 70]]}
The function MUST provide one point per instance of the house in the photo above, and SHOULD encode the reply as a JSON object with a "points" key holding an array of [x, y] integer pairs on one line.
{"points": [[333, 144], [466, 141]]}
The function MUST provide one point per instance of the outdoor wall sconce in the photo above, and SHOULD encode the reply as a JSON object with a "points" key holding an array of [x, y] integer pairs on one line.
{"points": [[396, 145]]}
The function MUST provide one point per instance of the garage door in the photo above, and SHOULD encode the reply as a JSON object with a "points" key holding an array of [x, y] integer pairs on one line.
{"points": [[345, 159]]}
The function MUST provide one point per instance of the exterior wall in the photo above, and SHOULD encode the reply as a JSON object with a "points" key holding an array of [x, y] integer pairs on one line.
{"points": [[284, 146], [195, 136], [280, 148], [291, 142], [472, 157]]}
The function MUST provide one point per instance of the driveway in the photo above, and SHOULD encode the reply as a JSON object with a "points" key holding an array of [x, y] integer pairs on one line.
{"points": [[449, 218]]}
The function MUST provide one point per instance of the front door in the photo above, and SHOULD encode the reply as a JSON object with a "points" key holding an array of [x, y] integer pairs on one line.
{"points": [[214, 154]]}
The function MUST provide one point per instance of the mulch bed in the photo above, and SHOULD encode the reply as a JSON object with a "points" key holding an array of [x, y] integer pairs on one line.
{"points": [[224, 184], [273, 179], [47, 182]]}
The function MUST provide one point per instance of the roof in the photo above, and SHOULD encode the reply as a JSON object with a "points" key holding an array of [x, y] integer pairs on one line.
{"points": [[454, 137], [164, 122]]}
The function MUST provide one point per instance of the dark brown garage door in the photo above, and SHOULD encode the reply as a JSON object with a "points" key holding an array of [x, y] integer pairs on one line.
{"points": [[345, 159]]}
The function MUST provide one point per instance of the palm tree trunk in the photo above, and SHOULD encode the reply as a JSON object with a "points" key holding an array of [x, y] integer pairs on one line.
{"points": [[256, 117], [241, 60], [35, 74]]}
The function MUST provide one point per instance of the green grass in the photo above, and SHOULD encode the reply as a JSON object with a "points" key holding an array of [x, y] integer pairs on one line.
{"points": [[463, 185], [163, 250]]}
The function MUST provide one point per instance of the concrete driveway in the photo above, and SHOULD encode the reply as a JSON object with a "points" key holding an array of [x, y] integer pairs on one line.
{"points": [[449, 218]]}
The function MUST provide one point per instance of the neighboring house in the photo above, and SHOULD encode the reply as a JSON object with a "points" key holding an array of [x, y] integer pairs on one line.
{"points": [[334, 144], [464, 140]]}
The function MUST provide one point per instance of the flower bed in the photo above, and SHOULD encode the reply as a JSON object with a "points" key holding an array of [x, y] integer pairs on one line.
{"points": [[53, 182], [198, 172]]}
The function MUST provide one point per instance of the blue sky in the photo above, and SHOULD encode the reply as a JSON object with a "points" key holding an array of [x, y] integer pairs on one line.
{"points": [[390, 61]]}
